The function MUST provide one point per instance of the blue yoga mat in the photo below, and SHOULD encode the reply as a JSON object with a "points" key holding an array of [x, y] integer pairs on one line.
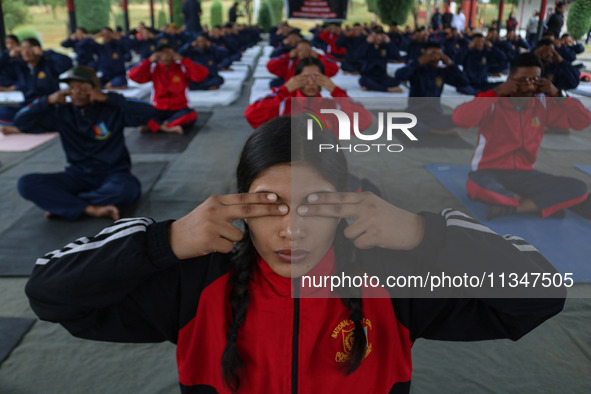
{"points": [[585, 169], [564, 242]]}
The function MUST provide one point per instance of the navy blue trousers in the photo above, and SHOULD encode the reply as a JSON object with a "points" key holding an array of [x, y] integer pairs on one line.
{"points": [[68, 193]]}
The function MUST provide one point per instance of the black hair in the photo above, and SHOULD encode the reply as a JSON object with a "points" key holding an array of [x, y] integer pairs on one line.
{"points": [[477, 35], [524, 60], [432, 44], [309, 61], [564, 35], [297, 33], [217, 27], [13, 38], [163, 47], [544, 42], [83, 30], [304, 41], [33, 42], [277, 142], [108, 28], [356, 24]]}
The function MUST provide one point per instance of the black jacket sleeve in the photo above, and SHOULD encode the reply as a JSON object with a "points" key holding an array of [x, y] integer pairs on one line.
{"points": [[122, 285], [456, 244]]}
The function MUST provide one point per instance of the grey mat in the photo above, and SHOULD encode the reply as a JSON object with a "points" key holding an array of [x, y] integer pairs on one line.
{"points": [[163, 142], [12, 330], [32, 235], [566, 142]]}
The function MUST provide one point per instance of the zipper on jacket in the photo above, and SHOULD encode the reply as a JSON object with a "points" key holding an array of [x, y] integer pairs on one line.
{"points": [[296, 335]]}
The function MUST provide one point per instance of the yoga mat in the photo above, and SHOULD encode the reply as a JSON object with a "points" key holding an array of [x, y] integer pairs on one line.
{"points": [[32, 236], [564, 242], [12, 331], [162, 142], [23, 142], [585, 169], [566, 142]]}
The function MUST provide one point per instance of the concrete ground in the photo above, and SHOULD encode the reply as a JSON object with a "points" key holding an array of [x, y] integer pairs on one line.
{"points": [[556, 357]]}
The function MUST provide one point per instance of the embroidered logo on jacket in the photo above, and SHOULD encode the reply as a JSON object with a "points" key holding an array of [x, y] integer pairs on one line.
{"points": [[41, 75], [100, 131], [535, 121], [344, 333]]}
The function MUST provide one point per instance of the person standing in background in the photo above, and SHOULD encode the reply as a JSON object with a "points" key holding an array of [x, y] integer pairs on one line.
{"points": [[556, 20], [532, 29], [192, 13]]}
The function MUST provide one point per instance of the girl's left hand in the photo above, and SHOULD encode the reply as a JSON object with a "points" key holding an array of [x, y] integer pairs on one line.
{"points": [[377, 223]]}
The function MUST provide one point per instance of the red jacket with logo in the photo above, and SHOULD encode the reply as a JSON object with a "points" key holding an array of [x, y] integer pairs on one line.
{"points": [[126, 285], [284, 67], [170, 82], [508, 136], [279, 103]]}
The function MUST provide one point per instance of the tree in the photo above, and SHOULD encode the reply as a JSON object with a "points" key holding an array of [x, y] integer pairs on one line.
{"points": [[93, 15], [277, 7], [394, 11], [372, 6], [265, 17], [578, 22], [177, 12], [216, 13], [15, 13]]}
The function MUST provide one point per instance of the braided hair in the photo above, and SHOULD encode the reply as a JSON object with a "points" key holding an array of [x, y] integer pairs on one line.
{"points": [[277, 142]]}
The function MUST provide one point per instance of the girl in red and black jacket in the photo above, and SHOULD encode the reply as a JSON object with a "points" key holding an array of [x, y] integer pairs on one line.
{"points": [[305, 86], [230, 309], [171, 74]]}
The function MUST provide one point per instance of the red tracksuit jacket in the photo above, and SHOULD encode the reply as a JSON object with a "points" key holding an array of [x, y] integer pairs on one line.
{"points": [[331, 40], [170, 83], [278, 103], [284, 67], [509, 137], [126, 285]]}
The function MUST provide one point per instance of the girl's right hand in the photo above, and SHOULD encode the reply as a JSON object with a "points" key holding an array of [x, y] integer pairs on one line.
{"points": [[208, 228]]}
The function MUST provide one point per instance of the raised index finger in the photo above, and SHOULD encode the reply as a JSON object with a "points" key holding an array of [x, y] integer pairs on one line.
{"points": [[248, 198], [335, 198]]}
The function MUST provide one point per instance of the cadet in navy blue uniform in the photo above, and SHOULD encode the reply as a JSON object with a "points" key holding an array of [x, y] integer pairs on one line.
{"points": [[201, 51], [34, 72], [232, 41], [287, 44], [568, 48], [426, 80], [512, 43], [398, 38], [374, 54], [112, 55], [416, 45], [91, 128], [476, 59], [560, 72], [497, 66], [145, 43], [351, 42], [218, 38], [192, 13], [12, 43], [83, 45], [454, 44]]}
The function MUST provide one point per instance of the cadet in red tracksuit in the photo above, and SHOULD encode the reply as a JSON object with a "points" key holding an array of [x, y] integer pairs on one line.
{"points": [[330, 37], [233, 316], [308, 81], [171, 74], [511, 123], [284, 66]]}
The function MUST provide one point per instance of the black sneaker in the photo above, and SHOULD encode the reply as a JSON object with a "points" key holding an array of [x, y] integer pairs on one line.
{"points": [[497, 211]]}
